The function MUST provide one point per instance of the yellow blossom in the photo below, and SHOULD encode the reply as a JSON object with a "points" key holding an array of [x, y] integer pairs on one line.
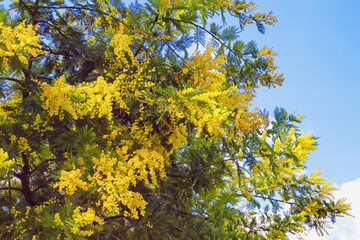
{"points": [[70, 181], [13, 138], [23, 145], [277, 146], [5, 164], [93, 99], [304, 146], [57, 220], [290, 137], [20, 41], [263, 136]]}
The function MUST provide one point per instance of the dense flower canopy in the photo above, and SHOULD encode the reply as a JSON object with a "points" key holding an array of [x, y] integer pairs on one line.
{"points": [[113, 126]]}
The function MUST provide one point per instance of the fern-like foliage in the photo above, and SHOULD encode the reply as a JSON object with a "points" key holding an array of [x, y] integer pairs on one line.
{"points": [[250, 48], [213, 43], [229, 34], [199, 37]]}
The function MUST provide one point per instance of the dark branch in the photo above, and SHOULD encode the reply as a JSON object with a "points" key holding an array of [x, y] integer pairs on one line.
{"points": [[11, 79], [112, 217], [70, 7], [56, 28]]}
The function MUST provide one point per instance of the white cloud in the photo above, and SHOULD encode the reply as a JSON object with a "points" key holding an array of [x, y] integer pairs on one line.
{"points": [[346, 228]]}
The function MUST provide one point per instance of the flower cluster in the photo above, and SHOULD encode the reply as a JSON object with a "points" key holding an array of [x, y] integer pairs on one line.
{"points": [[85, 220], [70, 181], [5, 164], [20, 41], [93, 99], [212, 103], [269, 78], [304, 145], [114, 177]]}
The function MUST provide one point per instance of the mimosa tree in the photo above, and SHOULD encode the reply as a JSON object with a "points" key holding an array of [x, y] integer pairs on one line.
{"points": [[114, 127]]}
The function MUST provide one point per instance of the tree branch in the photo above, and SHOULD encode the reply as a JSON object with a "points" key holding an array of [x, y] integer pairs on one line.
{"points": [[28, 9], [11, 79], [56, 28], [173, 50], [268, 198], [70, 7], [112, 217]]}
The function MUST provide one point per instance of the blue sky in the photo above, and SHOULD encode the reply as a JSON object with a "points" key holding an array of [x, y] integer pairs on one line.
{"points": [[317, 43]]}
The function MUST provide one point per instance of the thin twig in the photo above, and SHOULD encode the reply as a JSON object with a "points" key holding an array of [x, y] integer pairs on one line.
{"points": [[53, 26], [70, 7]]}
